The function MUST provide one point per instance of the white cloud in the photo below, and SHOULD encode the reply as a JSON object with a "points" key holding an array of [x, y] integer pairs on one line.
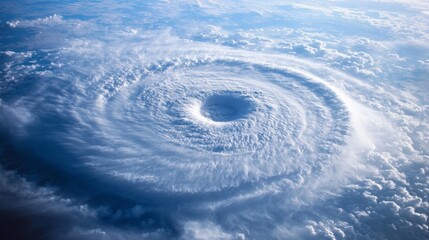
{"points": [[332, 143]]}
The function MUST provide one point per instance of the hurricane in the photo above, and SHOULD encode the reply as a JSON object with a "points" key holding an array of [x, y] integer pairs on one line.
{"points": [[189, 120]]}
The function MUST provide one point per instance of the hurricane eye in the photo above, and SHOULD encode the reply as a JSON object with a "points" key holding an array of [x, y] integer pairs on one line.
{"points": [[225, 108]]}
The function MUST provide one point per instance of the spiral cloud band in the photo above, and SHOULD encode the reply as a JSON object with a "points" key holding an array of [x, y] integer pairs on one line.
{"points": [[209, 124]]}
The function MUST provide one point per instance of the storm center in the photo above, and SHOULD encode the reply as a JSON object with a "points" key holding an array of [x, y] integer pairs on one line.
{"points": [[225, 108]]}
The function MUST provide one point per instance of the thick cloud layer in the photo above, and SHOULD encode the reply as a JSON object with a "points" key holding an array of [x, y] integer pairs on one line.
{"points": [[214, 120]]}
